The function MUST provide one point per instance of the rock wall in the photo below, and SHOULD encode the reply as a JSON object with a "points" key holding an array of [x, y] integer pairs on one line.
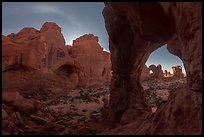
{"points": [[157, 71], [38, 61], [177, 71], [145, 73], [95, 63], [187, 40], [137, 29]]}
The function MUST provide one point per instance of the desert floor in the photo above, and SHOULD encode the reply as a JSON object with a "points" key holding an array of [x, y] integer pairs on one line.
{"points": [[77, 111]]}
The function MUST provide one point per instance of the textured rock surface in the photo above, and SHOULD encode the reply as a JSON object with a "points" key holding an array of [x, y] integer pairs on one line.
{"points": [[31, 56], [128, 49], [183, 104], [95, 63], [26, 106], [187, 40], [37, 61], [160, 71], [157, 71], [75, 112], [136, 30], [145, 73], [177, 71], [4, 114]]}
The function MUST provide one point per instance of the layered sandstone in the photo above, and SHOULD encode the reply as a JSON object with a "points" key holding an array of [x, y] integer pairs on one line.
{"points": [[31, 57], [38, 61], [95, 63]]}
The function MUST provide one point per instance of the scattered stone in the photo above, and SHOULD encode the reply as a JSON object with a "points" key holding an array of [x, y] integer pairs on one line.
{"points": [[24, 105], [37, 104], [4, 114], [59, 127], [39, 120], [18, 116]]}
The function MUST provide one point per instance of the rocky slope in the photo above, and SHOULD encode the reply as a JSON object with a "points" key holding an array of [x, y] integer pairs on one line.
{"points": [[75, 111]]}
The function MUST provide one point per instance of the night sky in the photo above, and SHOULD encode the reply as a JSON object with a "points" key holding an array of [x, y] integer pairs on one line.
{"points": [[75, 19]]}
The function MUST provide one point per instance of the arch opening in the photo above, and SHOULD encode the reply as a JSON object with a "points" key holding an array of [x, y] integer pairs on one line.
{"points": [[166, 72], [129, 54]]}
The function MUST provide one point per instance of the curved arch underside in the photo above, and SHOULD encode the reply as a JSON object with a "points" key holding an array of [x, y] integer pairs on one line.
{"points": [[137, 29]]}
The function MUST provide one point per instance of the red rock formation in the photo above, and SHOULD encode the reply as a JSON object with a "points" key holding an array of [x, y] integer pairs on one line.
{"points": [[167, 74], [39, 61], [187, 40], [145, 73], [181, 103], [136, 30], [160, 71], [177, 71], [26, 106], [107, 69], [31, 56], [94, 62], [157, 71]]}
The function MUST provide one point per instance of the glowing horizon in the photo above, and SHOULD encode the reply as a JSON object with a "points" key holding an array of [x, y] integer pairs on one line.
{"points": [[167, 60]]}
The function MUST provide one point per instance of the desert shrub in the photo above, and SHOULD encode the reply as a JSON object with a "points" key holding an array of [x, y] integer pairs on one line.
{"points": [[84, 110], [85, 97], [71, 114], [158, 101]]}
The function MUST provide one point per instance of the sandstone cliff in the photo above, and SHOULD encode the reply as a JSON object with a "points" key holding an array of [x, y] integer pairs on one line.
{"points": [[94, 62], [38, 61]]}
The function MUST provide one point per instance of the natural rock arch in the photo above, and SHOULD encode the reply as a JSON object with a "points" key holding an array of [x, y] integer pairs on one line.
{"points": [[136, 30], [157, 71]]}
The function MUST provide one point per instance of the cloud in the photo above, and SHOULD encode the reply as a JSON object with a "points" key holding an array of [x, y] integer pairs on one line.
{"points": [[71, 20], [45, 9], [48, 9]]}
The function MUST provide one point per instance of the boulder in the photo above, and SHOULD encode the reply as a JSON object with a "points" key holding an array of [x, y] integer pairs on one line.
{"points": [[4, 114], [39, 120], [16, 119], [24, 105]]}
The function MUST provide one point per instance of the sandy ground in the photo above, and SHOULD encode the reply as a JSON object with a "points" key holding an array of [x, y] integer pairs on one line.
{"points": [[157, 90], [79, 111]]}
